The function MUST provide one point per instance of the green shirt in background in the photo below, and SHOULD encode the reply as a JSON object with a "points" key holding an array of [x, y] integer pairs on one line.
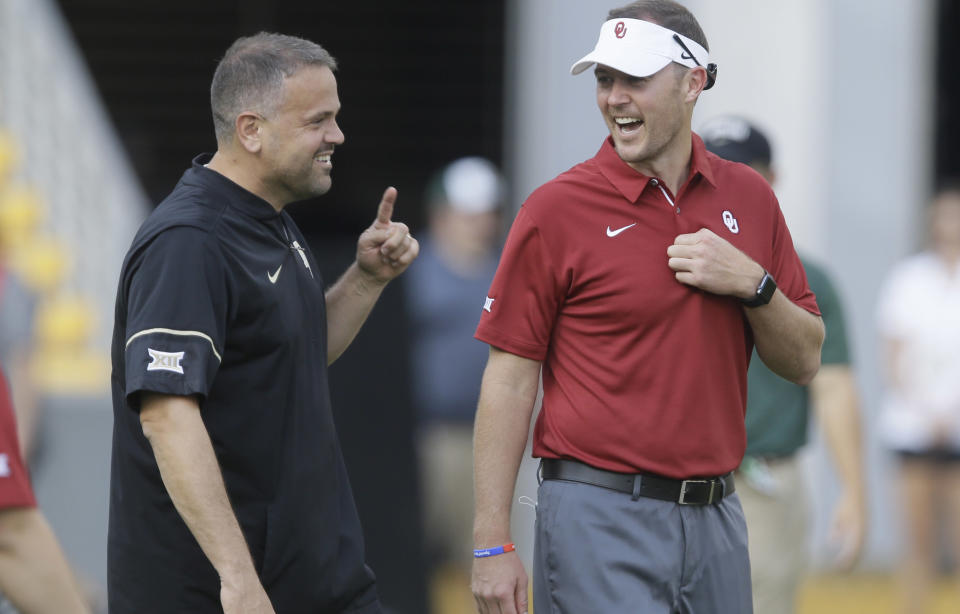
{"points": [[778, 410]]}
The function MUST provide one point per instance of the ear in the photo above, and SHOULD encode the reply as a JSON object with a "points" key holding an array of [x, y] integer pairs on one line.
{"points": [[695, 80], [248, 131]]}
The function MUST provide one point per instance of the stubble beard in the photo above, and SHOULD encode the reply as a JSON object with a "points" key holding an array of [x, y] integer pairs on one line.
{"points": [[307, 183], [655, 142]]}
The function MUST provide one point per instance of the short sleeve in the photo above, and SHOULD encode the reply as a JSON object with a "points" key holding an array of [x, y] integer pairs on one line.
{"points": [[787, 269], [835, 346], [177, 306], [520, 309]]}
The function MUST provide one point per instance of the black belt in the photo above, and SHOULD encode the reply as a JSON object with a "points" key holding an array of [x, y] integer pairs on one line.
{"points": [[700, 491]]}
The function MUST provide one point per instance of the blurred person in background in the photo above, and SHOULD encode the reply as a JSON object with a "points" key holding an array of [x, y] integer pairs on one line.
{"points": [[770, 481], [229, 492], [34, 574], [17, 310], [456, 264], [919, 324], [17, 314]]}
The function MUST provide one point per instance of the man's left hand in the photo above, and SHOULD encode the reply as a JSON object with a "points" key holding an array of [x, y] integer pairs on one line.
{"points": [[386, 248], [708, 262]]}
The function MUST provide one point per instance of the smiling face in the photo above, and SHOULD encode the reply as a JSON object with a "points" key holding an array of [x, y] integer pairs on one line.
{"points": [[646, 116], [298, 139]]}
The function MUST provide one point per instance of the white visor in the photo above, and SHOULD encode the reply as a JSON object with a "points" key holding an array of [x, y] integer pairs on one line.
{"points": [[640, 48]]}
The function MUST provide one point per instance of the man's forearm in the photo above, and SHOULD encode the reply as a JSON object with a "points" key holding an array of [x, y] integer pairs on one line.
{"points": [[34, 574], [192, 477], [349, 302], [507, 396], [788, 338], [838, 413], [835, 399]]}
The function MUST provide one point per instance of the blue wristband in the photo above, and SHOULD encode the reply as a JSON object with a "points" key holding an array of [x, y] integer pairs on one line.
{"points": [[482, 553]]}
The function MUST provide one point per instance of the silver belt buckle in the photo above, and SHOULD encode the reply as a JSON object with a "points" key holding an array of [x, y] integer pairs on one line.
{"points": [[683, 490]]}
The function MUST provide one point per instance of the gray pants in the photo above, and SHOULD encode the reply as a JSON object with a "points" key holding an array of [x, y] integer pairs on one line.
{"points": [[601, 551]]}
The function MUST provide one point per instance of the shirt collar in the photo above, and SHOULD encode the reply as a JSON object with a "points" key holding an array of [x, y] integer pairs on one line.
{"points": [[237, 196], [631, 182], [700, 162]]}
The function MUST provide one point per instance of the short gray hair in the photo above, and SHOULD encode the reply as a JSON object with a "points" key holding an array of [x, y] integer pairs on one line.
{"points": [[250, 76]]}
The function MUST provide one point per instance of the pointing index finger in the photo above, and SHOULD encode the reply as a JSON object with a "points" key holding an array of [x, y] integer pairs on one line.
{"points": [[385, 210]]}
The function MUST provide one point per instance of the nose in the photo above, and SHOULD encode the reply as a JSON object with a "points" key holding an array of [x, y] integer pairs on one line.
{"points": [[617, 94], [335, 135]]}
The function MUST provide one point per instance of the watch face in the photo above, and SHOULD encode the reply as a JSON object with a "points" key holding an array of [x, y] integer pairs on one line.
{"points": [[764, 291]]}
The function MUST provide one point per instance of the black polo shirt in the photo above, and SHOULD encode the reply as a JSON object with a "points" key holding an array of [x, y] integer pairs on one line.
{"points": [[220, 299]]}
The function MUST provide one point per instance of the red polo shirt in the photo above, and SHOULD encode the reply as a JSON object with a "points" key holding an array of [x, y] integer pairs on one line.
{"points": [[15, 490], [640, 372]]}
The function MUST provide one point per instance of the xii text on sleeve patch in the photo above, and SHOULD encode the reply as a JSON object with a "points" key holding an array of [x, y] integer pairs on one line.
{"points": [[165, 361]]}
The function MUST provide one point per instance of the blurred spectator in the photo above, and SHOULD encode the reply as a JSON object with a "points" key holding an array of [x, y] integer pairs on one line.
{"points": [[445, 291], [769, 479], [919, 321], [17, 309], [34, 574], [17, 301]]}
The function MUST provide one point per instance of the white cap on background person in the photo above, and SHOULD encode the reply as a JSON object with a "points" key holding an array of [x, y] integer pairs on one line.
{"points": [[469, 185]]}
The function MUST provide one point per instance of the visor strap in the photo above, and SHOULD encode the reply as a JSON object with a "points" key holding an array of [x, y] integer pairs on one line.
{"points": [[710, 68], [680, 42]]}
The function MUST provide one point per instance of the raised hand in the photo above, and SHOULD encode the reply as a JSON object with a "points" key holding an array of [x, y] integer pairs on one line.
{"points": [[386, 248]]}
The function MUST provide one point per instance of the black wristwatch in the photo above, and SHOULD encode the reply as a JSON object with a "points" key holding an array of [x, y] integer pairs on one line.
{"points": [[765, 291]]}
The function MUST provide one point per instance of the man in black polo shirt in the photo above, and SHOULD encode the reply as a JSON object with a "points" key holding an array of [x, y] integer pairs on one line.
{"points": [[228, 488]]}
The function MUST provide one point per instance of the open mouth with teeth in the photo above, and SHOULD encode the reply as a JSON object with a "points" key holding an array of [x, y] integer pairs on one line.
{"points": [[628, 125], [323, 158]]}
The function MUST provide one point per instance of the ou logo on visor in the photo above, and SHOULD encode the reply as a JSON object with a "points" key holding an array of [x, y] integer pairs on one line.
{"points": [[620, 29], [731, 222]]}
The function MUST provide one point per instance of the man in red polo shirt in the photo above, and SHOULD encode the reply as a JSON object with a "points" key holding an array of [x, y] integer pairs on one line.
{"points": [[638, 282], [34, 575]]}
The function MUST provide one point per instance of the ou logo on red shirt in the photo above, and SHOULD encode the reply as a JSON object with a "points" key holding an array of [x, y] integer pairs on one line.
{"points": [[731, 222], [620, 29]]}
